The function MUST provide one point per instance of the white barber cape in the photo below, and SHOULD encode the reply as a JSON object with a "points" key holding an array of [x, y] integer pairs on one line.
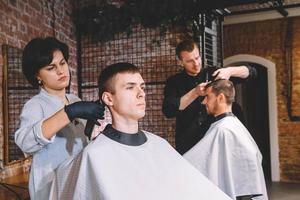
{"points": [[230, 158], [112, 168]]}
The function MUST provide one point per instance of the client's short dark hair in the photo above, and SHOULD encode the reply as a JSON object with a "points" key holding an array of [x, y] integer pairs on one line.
{"points": [[105, 80], [38, 53], [223, 86]]}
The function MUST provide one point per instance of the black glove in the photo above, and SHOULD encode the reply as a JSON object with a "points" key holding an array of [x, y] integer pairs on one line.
{"points": [[86, 110]]}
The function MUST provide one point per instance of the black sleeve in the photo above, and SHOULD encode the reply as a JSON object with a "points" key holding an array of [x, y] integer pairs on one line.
{"points": [[252, 71], [252, 74], [171, 100]]}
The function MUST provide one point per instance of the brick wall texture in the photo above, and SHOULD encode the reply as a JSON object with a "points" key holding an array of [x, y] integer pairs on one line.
{"points": [[23, 20], [268, 39]]}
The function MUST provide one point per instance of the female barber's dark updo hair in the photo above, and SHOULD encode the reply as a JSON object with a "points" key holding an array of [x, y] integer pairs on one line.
{"points": [[38, 53]]}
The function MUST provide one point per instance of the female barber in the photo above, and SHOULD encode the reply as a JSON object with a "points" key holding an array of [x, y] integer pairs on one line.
{"points": [[50, 128]]}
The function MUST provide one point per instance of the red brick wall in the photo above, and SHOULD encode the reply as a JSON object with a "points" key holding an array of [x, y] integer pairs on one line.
{"points": [[23, 20], [267, 39]]}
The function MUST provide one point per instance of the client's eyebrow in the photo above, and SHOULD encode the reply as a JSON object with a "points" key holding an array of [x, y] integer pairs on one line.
{"points": [[130, 83], [134, 83]]}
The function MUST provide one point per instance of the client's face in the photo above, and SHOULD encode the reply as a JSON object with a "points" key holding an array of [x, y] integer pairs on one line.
{"points": [[129, 96], [210, 102]]}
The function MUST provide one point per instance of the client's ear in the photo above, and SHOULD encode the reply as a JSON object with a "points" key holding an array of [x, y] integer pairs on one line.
{"points": [[221, 97], [107, 98]]}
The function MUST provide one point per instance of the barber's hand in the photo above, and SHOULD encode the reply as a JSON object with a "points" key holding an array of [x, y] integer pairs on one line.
{"points": [[200, 89], [86, 110], [223, 73]]}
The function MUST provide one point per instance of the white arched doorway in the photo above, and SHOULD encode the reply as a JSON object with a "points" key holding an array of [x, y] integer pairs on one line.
{"points": [[272, 104]]}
